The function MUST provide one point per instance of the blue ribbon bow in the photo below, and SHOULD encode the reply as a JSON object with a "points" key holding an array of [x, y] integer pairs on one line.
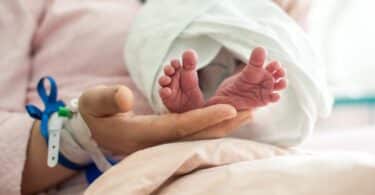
{"points": [[51, 104]]}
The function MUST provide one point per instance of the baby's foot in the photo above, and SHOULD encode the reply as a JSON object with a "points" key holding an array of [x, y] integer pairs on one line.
{"points": [[180, 90], [254, 86]]}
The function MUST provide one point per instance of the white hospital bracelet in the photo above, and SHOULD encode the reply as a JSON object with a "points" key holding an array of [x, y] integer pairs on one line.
{"points": [[55, 125], [77, 127], [72, 150]]}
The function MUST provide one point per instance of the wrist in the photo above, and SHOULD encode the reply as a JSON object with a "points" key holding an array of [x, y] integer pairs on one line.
{"points": [[36, 166]]}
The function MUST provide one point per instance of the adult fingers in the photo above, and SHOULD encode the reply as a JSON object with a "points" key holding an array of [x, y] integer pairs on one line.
{"points": [[106, 100], [170, 127], [115, 131], [222, 129]]}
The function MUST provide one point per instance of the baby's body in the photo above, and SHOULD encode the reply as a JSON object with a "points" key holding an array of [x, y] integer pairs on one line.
{"points": [[254, 86]]}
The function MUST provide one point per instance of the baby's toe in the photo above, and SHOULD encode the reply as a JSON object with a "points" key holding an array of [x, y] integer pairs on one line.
{"points": [[189, 59], [279, 73], [165, 92], [165, 81], [169, 70], [258, 57], [274, 97], [280, 84], [273, 66], [176, 64]]}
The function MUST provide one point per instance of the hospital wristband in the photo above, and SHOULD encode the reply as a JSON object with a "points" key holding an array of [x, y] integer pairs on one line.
{"points": [[51, 104]]}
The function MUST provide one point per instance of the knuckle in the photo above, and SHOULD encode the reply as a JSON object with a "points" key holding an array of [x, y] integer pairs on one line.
{"points": [[83, 101], [180, 132]]}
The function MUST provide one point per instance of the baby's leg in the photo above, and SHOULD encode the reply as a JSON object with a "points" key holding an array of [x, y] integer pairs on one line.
{"points": [[254, 86], [180, 90]]}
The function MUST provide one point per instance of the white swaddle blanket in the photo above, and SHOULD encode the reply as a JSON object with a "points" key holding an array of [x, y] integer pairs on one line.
{"points": [[165, 28]]}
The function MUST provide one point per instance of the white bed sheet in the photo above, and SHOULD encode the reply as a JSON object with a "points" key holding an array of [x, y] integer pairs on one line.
{"points": [[360, 139]]}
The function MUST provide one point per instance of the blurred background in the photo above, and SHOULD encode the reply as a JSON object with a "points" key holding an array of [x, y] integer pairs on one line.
{"points": [[343, 31]]}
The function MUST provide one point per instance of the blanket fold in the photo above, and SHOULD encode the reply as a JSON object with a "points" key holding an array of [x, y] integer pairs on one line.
{"points": [[233, 166]]}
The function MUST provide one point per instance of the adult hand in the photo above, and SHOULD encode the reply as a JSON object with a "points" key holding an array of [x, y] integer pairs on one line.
{"points": [[107, 112]]}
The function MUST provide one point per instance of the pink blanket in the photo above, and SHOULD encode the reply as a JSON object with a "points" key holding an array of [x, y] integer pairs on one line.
{"points": [[232, 166], [79, 43]]}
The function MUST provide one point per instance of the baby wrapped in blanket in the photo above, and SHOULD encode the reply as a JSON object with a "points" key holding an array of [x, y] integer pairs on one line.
{"points": [[224, 33]]}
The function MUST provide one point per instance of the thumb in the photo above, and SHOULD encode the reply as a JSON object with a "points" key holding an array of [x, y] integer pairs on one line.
{"points": [[103, 101]]}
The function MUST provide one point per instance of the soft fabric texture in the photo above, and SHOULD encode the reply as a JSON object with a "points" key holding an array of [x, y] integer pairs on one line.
{"points": [[231, 166], [207, 26], [79, 43]]}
